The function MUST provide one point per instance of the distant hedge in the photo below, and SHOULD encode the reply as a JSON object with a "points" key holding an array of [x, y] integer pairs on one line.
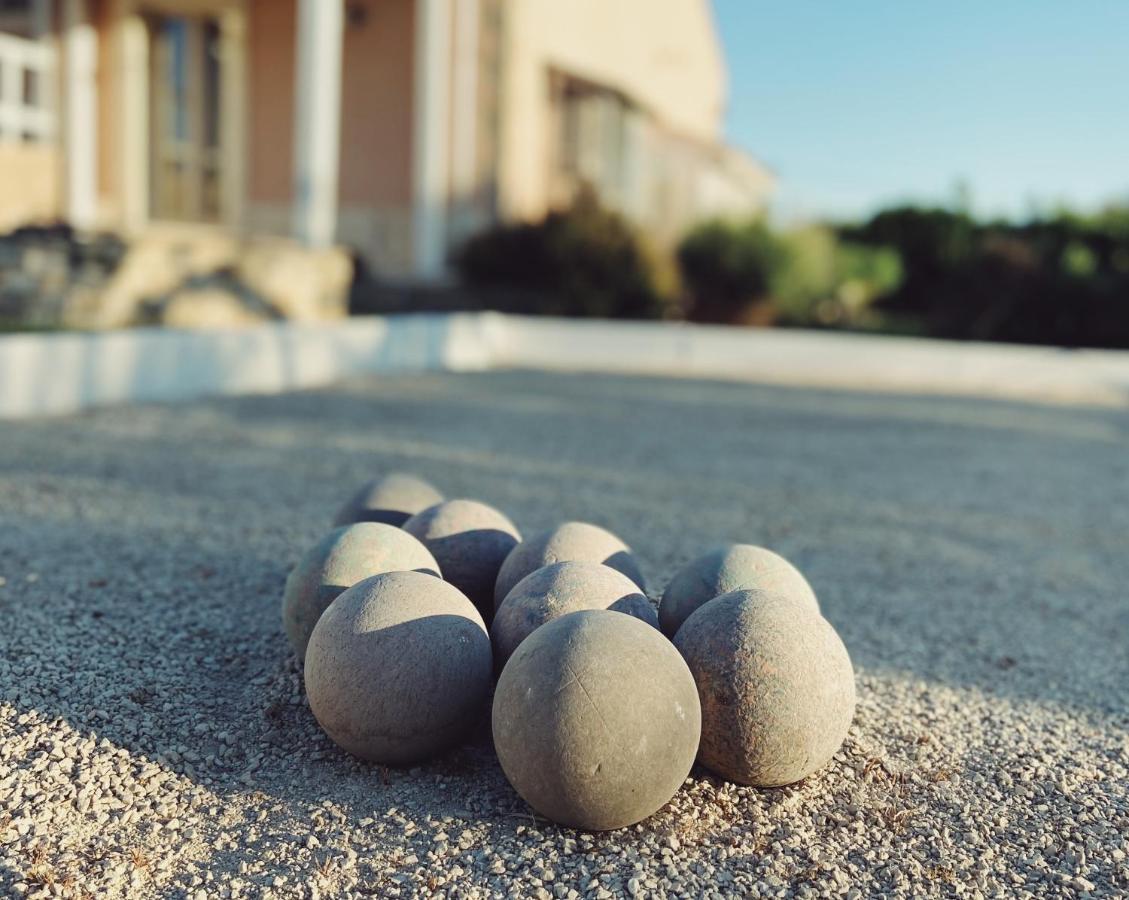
{"points": [[734, 272], [586, 261], [1062, 279]]}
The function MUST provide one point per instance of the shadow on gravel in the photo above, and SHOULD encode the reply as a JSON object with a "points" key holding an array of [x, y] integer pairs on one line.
{"points": [[970, 543]]}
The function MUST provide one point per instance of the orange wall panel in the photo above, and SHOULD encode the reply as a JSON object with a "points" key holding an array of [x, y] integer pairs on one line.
{"points": [[376, 104], [270, 99]]}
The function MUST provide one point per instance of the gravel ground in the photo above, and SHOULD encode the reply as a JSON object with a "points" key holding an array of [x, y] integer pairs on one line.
{"points": [[154, 739]]}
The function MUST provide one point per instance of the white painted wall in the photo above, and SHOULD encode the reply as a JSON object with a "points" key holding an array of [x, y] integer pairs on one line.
{"points": [[63, 373], [52, 374]]}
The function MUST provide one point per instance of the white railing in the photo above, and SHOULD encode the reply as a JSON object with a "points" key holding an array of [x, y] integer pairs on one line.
{"points": [[27, 71]]}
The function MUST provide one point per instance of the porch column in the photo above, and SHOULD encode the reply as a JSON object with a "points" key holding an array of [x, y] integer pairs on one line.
{"points": [[464, 123], [233, 140], [430, 137], [80, 42], [317, 120], [134, 136]]}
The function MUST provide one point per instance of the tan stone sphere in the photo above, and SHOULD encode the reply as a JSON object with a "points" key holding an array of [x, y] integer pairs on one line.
{"points": [[568, 541], [470, 540], [399, 668], [393, 499], [557, 590], [339, 560], [776, 685], [596, 720], [728, 568]]}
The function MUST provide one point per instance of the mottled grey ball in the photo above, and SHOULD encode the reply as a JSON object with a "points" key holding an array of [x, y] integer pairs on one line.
{"points": [[393, 499], [596, 720], [568, 541], [561, 588], [470, 540], [733, 567], [338, 561], [776, 684], [399, 668]]}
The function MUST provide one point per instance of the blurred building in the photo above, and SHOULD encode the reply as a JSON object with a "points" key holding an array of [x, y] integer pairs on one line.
{"points": [[396, 127]]}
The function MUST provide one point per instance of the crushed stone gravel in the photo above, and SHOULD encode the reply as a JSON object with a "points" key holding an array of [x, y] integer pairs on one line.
{"points": [[155, 740]]}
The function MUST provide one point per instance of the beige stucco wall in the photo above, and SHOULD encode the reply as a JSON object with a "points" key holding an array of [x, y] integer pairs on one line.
{"points": [[664, 55], [29, 183]]}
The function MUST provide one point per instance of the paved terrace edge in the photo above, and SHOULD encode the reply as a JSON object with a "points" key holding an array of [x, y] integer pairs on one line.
{"points": [[67, 372]]}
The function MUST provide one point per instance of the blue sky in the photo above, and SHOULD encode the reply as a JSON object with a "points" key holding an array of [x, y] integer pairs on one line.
{"points": [[857, 103]]}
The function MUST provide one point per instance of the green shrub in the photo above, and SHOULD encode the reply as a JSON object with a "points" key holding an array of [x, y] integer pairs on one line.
{"points": [[1061, 279], [728, 269], [583, 262], [803, 277]]}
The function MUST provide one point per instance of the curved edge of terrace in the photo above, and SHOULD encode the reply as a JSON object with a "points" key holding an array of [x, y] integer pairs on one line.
{"points": [[60, 373]]}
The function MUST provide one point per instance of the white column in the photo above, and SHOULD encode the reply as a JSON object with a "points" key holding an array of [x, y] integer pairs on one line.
{"points": [[233, 140], [464, 118], [317, 120], [430, 136], [135, 135], [80, 43]]}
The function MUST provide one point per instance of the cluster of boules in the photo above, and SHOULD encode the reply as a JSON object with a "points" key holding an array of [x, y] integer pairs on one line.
{"points": [[406, 610]]}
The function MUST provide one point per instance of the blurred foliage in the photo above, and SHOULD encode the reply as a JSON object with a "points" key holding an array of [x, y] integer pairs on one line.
{"points": [[583, 262], [1058, 279], [728, 269], [1061, 279], [743, 271]]}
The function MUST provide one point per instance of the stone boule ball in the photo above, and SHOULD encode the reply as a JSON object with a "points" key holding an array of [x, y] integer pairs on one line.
{"points": [[776, 685], [561, 588], [732, 567], [399, 668], [470, 540], [339, 560], [568, 541], [596, 720], [393, 499]]}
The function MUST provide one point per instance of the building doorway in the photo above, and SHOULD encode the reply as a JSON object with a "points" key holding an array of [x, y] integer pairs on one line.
{"points": [[185, 147]]}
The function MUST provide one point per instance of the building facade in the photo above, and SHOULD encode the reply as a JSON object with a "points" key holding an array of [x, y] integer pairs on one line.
{"points": [[396, 127]]}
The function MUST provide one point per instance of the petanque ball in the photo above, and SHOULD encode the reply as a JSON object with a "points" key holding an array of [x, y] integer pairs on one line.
{"points": [[393, 499], [568, 541], [596, 720], [469, 540], [730, 568], [339, 560], [399, 668], [776, 685], [559, 589]]}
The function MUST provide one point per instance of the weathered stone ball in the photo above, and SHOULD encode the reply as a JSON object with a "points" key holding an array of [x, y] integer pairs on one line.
{"points": [[470, 540], [568, 541], [393, 499], [339, 560], [776, 685], [559, 589], [732, 567], [399, 668], [596, 720]]}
